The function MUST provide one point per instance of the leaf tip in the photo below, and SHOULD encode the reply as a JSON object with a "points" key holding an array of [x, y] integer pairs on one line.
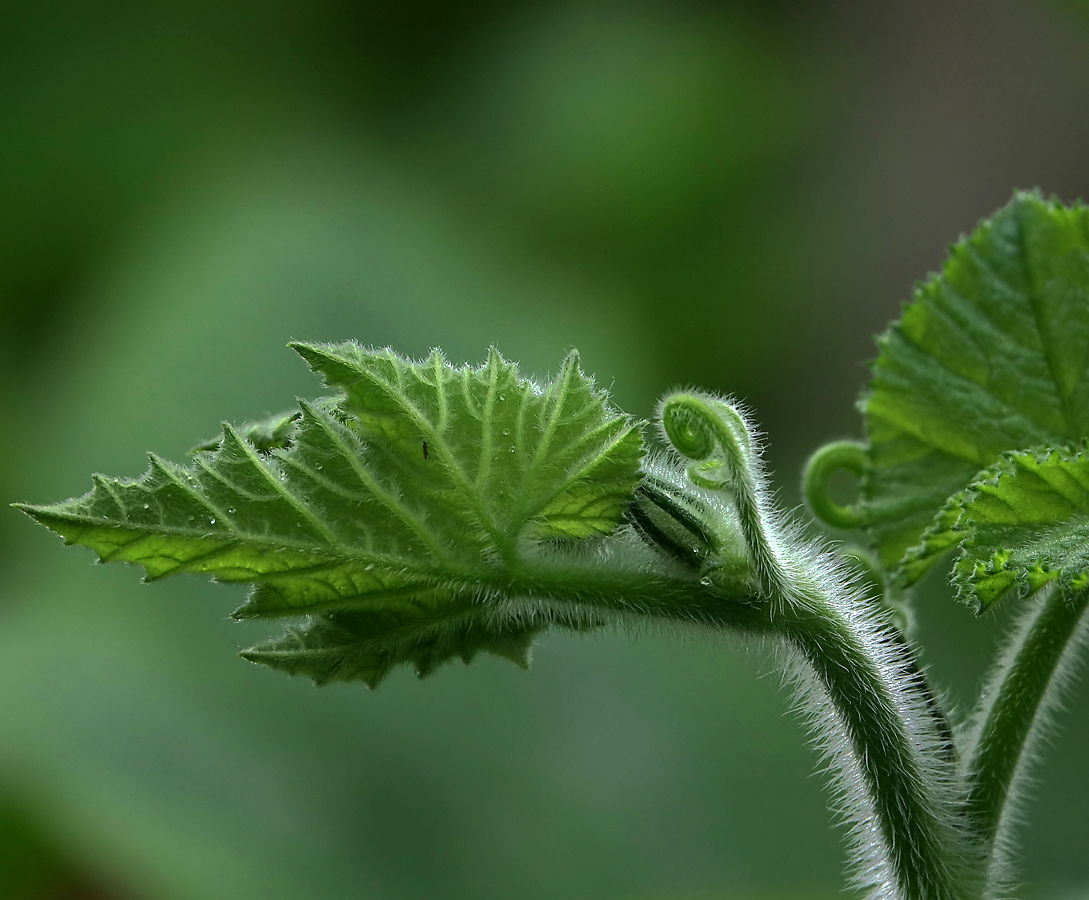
{"points": [[572, 363], [312, 353], [339, 364]]}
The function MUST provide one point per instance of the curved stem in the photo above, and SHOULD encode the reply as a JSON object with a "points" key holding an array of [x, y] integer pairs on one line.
{"points": [[922, 852], [871, 711], [901, 628], [1020, 694], [948, 745], [870, 707]]}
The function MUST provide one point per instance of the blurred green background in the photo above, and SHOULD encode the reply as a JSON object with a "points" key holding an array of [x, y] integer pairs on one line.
{"points": [[730, 195]]}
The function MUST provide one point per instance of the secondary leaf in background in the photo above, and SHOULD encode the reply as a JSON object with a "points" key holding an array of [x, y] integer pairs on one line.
{"points": [[990, 356], [1023, 522], [388, 515]]}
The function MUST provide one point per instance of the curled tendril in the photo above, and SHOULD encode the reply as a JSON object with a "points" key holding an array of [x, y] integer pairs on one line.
{"points": [[713, 434], [698, 427], [842, 456], [690, 432]]}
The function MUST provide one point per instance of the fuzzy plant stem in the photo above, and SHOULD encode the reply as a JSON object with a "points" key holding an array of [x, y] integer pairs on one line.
{"points": [[919, 849], [1014, 712], [822, 465], [872, 715]]}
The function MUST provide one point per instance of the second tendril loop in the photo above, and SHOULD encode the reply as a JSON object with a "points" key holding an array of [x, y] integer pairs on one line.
{"points": [[841, 456]]}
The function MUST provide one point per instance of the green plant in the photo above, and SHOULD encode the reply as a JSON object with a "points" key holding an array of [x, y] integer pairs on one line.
{"points": [[427, 512]]}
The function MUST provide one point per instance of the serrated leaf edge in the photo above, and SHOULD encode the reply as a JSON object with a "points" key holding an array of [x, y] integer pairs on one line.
{"points": [[967, 570]]}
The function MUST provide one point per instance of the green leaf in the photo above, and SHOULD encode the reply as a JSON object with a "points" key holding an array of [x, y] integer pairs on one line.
{"points": [[1022, 523], [366, 645], [394, 515], [274, 433], [990, 356]]}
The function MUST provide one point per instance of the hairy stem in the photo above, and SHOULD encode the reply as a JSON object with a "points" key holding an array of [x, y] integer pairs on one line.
{"points": [[870, 706], [948, 745], [1014, 711], [872, 583], [603, 590], [890, 746], [873, 715], [878, 723], [904, 784]]}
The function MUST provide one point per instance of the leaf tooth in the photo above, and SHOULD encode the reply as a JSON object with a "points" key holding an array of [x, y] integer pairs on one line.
{"points": [[104, 488], [328, 360], [175, 485], [238, 452], [1039, 575]]}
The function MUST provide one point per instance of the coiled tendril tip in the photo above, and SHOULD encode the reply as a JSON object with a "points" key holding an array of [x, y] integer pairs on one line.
{"points": [[715, 435], [840, 456]]}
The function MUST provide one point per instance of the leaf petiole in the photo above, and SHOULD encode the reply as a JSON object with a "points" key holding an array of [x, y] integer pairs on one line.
{"points": [[1015, 708]]}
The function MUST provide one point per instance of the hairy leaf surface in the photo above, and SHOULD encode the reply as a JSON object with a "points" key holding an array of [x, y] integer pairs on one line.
{"points": [[990, 356], [1023, 522], [274, 433], [387, 514]]}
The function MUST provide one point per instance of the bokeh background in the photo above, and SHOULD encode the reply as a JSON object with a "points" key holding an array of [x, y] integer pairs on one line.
{"points": [[731, 195]]}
